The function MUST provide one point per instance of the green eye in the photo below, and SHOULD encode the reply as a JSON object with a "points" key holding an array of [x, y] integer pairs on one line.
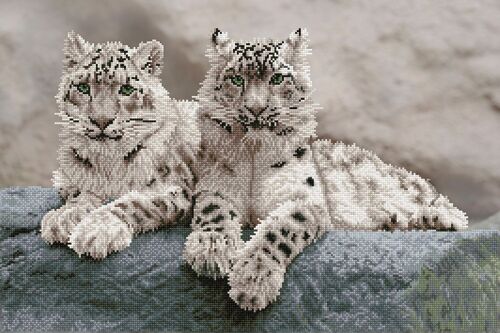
{"points": [[126, 89], [237, 80], [277, 79], [84, 88]]}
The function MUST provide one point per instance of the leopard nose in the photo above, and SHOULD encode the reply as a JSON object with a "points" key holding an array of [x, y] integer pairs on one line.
{"points": [[102, 122], [256, 111]]}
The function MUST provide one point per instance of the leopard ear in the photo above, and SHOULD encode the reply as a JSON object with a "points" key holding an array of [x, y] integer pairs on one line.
{"points": [[221, 44], [75, 48], [296, 49], [149, 57]]}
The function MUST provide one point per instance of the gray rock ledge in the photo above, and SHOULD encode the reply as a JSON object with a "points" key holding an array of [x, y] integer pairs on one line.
{"points": [[347, 282]]}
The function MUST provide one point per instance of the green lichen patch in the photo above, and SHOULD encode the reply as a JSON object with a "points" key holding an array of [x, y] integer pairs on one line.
{"points": [[461, 293]]}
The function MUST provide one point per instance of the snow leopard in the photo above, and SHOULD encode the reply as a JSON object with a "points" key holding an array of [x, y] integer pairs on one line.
{"points": [[126, 152], [261, 165]]}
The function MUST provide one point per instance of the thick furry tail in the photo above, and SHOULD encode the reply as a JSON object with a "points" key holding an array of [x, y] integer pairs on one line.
{"points": [[364, 193]]}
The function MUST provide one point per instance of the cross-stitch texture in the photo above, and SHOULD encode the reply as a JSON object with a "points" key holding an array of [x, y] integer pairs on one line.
{"points": [[415, 82], [260, 167], [334, 243], [346, 282], [125, 148]]}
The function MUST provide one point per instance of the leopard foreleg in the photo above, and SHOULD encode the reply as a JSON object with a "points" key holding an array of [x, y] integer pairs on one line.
{"points": [[258, 274], [212, 245]]}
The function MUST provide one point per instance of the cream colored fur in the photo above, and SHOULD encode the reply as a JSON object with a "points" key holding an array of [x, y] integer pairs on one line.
{"points": [[124, 160], [260, 167]]}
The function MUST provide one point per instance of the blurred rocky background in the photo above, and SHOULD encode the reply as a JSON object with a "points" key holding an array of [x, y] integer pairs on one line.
{"points": [[418, 82]]}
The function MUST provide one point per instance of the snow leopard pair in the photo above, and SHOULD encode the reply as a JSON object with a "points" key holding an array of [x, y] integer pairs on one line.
{"points": [[133, 159]]}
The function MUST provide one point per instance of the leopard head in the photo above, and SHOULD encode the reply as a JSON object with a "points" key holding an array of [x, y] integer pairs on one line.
{"points": [[108, 92], [262, 87]]}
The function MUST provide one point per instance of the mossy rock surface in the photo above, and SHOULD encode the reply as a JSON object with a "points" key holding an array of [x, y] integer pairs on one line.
{"points": [[457, 295], [346, 282]]}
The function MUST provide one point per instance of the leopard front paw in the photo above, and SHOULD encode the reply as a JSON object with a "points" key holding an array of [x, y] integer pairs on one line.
{"points": [[98, 235], [57, 225], [211, 253], [255, 282]]}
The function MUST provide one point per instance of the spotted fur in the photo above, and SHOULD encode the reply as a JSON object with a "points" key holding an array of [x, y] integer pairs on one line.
{"points": [[259, 162], [125, 160], [256, 166]]}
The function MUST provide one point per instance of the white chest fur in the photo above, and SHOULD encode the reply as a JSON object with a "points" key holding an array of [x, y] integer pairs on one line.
{"points": [[260, 175], [110, 174]]}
